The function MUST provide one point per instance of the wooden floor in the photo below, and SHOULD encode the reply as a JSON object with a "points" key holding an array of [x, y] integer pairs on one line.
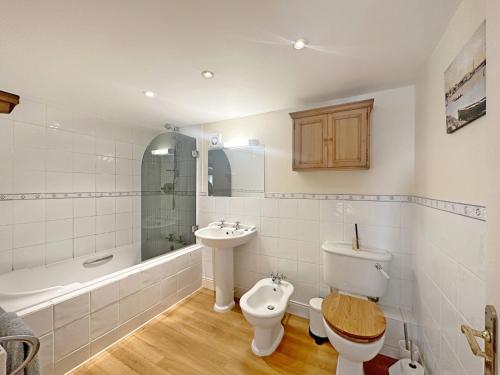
{"points": [[193, 339]]}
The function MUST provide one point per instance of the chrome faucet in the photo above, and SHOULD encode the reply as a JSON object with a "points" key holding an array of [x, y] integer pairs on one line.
{"points": [[221, 225], [237, 225], [277, 278]]}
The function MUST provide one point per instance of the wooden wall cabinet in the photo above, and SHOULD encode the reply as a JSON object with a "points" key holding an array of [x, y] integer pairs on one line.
{"points": [[335, 137], [7, 102]]}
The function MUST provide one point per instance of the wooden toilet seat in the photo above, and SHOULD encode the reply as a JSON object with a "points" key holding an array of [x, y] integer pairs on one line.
{"points": [[353, 318]]}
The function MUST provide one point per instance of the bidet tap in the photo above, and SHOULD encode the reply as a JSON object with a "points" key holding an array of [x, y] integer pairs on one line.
{"points": [[277, 278], [221, 225], [237, 225], [273, 277]]}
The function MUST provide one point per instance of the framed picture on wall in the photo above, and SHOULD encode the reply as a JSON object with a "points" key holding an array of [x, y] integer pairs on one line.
{"points": [[465, 83]]}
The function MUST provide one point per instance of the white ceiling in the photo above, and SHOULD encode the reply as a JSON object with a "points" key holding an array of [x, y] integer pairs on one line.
{"points": [[101, 54]]}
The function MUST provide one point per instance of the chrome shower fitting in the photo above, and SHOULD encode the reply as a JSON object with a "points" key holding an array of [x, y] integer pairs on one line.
{"points": [[170, 127]]}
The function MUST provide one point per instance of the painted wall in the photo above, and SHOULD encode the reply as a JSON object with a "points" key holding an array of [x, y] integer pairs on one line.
{"points": [[450, 256], [392, 160], [449, 166], [49, 156]]}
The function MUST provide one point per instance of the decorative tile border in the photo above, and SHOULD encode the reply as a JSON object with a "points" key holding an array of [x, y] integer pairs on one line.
{"points": [[34, 196], [468, 210], [343, 197], [472, 211]]}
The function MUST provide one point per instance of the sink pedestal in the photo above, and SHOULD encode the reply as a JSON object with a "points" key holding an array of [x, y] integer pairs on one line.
{"points": [[223, 238], [224, 279]]}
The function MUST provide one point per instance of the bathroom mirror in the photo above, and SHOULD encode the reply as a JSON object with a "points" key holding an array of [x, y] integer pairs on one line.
{"points": [[236, 171]]}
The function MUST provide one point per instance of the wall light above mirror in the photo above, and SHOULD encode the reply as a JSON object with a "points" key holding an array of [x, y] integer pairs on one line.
{"points": [[237, 169]]}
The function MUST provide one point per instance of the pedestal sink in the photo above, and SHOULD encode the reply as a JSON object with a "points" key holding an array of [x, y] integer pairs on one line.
{"points": [[224, 237]]}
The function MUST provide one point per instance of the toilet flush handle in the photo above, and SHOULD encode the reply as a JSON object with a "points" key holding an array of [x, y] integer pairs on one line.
{"points": [[379, 267]]}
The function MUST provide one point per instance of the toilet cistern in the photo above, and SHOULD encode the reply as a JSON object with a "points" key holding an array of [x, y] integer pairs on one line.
{"points": [[363, 272]]}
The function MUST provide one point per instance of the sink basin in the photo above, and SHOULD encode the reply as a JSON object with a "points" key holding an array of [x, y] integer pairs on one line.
{"points": [[227, 236], [223, 239]]}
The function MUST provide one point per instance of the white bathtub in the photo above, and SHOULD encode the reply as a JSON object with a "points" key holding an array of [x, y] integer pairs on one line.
{"points": [[28, 287], [78, 311]]}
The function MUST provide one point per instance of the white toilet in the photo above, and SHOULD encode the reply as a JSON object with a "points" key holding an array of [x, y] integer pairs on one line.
{"points": [[264, 307], [354, 324]]}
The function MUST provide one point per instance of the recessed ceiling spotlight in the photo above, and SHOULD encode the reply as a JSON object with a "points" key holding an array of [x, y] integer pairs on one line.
{"points": [[207, 74], [149, 94], [299, 44]]}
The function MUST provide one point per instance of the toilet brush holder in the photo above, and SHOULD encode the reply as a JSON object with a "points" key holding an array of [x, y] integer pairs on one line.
{"points": [[405, 353], [406, 367]]}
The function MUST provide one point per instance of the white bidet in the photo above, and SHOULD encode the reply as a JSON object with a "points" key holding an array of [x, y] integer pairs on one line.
{"points": [[264, 307]]}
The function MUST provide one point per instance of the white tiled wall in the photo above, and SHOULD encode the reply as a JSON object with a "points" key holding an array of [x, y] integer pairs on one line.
{"points": [[74, 328], [290, 233], [449, 267], [45, 149]]}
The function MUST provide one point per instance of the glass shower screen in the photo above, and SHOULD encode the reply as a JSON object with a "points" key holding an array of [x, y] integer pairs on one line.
{"points": [[168, 204]]}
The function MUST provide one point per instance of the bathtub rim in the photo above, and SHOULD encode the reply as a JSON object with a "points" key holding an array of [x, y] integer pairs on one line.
{"points": [[108, 279]]}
